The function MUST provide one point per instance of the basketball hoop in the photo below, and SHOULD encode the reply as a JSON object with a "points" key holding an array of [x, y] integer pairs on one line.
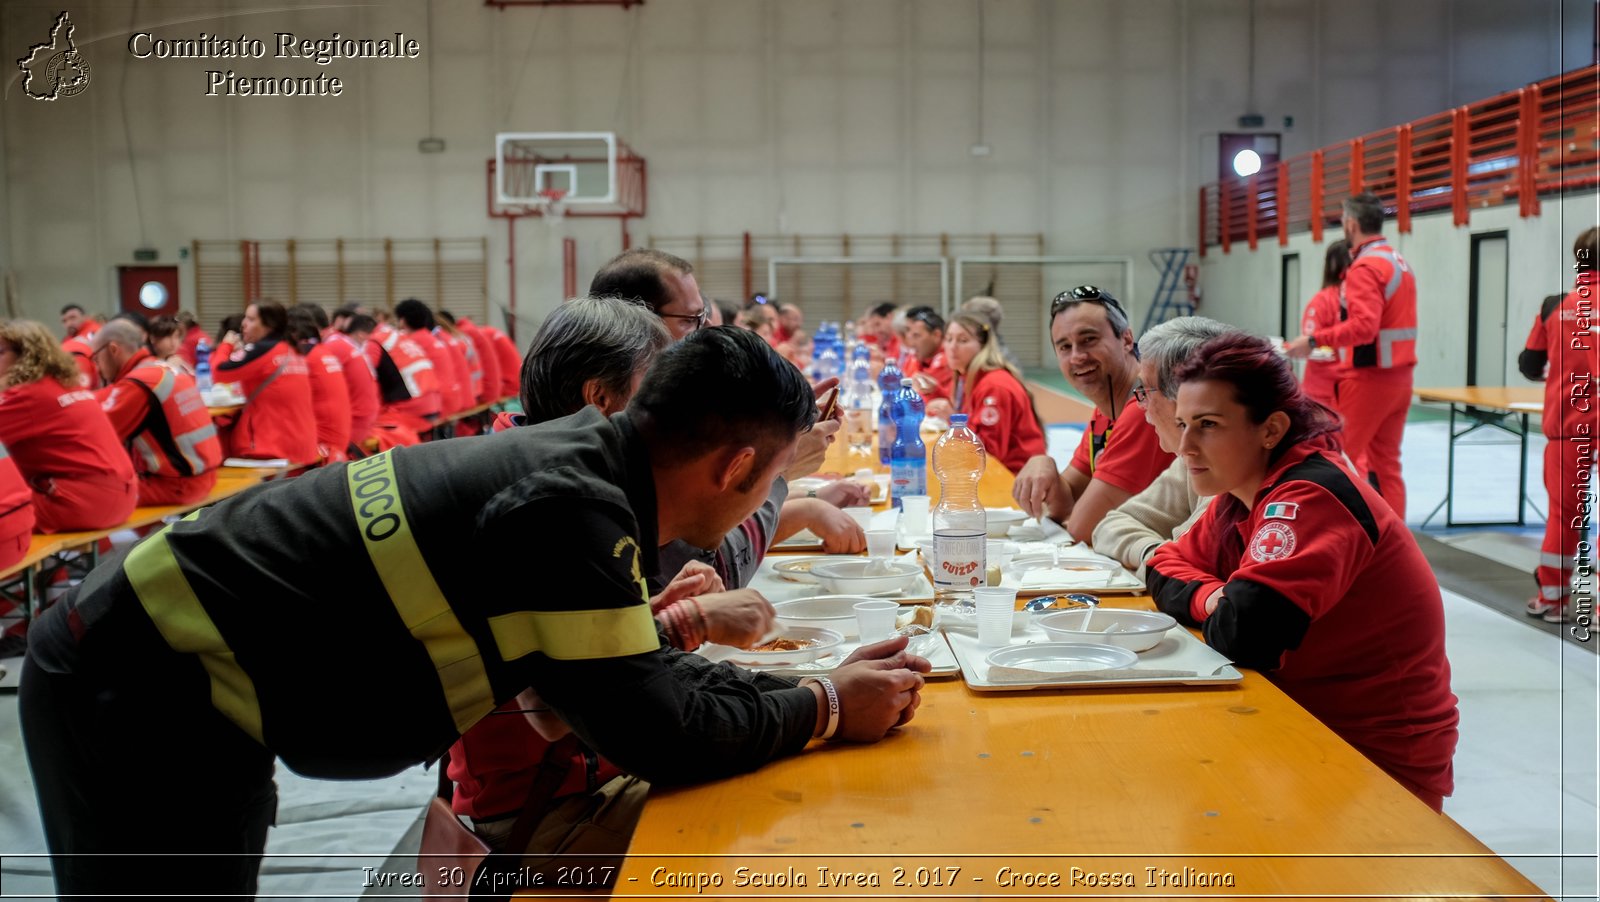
{"points": [[550, 206]]}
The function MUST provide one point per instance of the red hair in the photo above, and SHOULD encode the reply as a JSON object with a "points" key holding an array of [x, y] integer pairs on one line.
{"points": [[1262, 382]]}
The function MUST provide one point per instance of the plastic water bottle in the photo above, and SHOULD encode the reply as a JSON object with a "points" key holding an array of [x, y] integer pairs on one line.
{"points": [[860, 397], [889, 386], [830, 362], [908, 457], [202, 366], [960, 526]]}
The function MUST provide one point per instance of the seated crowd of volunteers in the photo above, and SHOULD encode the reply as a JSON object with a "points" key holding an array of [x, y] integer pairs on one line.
{"points": [[649, 473]]}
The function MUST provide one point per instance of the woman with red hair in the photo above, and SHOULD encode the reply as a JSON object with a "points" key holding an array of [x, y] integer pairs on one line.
{"points": [[1299, 568]]}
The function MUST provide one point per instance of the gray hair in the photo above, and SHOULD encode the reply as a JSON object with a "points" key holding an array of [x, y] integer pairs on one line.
{"points": [[1171, 344], [990, 309], [608, 339], [122, 333]]}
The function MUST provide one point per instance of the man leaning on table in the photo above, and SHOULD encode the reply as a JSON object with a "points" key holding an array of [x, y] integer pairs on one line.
{"points": [[408, 649], [1161, 513]]}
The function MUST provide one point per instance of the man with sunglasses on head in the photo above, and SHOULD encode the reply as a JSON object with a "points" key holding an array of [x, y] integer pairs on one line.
{"points": [[1120, 454], [926, 366], [661, 281]]}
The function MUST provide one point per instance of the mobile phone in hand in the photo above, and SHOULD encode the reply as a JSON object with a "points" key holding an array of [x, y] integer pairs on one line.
{"points": [[829, 405]]}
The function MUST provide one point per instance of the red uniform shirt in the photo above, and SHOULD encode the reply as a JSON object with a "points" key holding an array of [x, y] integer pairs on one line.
{"points": [[330, 401], [159, 414], [1379, 303], [191, 342], [1321, 312], [16, 511], [510, 362], [277, 419], [455, 351], [1327, 593], [938, 368], [82, 354], [1565, 337], [407, 381], [54, 431], [1126, 454], [488, 360], [1000, 412], [452, 387], [360, 383]]}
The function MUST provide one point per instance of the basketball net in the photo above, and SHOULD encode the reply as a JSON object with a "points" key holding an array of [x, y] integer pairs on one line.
{"points": [[550, 205]]}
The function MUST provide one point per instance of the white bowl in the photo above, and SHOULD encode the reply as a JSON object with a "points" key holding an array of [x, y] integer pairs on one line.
{"points": [[1061, 657], [1001, 519], [849, 577], [821, 642], [1133, 630], [834, 612]]}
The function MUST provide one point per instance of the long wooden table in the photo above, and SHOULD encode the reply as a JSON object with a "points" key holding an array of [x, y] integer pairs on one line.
{"points": [[1107, 792], [1505, 408]]}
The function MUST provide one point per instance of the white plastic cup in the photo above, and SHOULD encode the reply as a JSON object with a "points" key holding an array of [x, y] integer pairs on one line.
{"points": [[914, 515], [996, 606], [1000, 553], [880, 543], [862, 516], [875, 619]]}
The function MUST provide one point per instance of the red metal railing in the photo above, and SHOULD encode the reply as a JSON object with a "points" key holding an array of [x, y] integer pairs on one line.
{"points": [[1518, 145]]}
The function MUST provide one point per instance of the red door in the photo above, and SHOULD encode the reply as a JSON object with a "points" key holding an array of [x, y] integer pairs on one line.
{"points": [[149, 291]]}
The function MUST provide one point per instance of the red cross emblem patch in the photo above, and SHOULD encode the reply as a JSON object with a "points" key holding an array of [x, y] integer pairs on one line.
{"points": [[990, 414], [1273, 542]]}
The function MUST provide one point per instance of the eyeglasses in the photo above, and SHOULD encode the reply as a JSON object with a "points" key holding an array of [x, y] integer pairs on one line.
{"points": [[700, 319], [1085, 294], [1141, 394]]}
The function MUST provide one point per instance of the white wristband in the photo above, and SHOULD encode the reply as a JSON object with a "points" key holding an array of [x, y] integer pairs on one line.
{"points": [[833, 705]]}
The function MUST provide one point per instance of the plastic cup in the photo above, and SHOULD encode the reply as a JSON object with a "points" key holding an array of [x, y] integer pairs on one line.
{"points": [[880, 543], [914, 515], [875, 619], [996, 606], [862, 515]]}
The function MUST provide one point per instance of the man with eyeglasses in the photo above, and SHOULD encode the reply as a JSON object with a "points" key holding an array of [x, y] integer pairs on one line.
{"points": [[926, 366], [661, 281], [1120, 454]]}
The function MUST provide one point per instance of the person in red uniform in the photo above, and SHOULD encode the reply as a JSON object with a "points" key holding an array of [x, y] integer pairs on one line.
{"points": [[1300, 570], [16, 511], [1561, 351], [791, 319], [192, 336], [360, 382], [482, 356], [505, 350], [159, 415], [58, 436], [1377, 342], [1120, 454], [927, 366], [417, 322], [1322, 367], [407, 381], [277, 420], [164, 339], [990, 392], [330, 398], [80, 328]]}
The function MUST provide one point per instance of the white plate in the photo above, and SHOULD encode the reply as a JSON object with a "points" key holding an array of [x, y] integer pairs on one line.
{"points": [[854, 575], [932, 646], [1002, 519], [798, 569], [1035, 574], [833, 612], [1179, 659], [823, 642], [1061, 657]]}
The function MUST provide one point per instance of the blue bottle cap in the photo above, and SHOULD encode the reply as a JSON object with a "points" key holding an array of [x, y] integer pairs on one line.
{"points": [[958, 419]]}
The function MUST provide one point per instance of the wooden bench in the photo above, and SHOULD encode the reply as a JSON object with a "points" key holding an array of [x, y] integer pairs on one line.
{"points": [[230, 481]]}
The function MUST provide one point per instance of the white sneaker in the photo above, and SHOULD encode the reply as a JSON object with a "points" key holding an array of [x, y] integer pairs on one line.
{"points": [[1548, 611]]}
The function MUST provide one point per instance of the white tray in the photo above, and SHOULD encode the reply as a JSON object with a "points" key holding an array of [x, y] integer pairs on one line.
{"points": [[1179, 660], [775, 588], [933, 647]]}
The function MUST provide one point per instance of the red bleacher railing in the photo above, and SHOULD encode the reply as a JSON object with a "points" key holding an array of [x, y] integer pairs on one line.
{"points": [[1540, 139]]}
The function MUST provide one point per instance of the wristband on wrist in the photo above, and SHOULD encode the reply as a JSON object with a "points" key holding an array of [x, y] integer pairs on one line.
{"points": [[833, 704], [700, 613]]}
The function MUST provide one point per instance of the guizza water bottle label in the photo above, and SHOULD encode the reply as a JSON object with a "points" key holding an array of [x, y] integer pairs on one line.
{"points": [[959, 559]]}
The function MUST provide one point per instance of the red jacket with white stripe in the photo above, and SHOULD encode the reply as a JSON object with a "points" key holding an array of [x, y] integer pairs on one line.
{"points": [[1378, 310], [1565, 338], [360, 383], [1325, 592], [159, 413], [406, 377]]}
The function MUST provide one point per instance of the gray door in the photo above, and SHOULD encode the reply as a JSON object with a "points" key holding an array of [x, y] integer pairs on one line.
{"points": [[1488, 310]]}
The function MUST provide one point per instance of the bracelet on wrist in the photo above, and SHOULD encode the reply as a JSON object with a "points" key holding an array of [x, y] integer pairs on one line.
{"points": [[832, 695]]}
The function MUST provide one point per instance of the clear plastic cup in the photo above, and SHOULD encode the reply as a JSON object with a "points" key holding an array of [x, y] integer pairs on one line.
{"points": [[996, 607], [875, 619], [914, 515], [862, 515], [880, 543]]}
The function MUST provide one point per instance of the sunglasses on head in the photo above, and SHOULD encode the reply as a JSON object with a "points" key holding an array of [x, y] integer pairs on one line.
{"points": [[1085, 294]]}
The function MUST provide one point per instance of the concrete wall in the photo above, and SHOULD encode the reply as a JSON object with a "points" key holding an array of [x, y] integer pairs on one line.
{"points": [[774, 116]]}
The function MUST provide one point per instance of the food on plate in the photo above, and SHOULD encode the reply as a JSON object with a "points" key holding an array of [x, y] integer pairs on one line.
{"points": [[784, 644], [916, 615]]}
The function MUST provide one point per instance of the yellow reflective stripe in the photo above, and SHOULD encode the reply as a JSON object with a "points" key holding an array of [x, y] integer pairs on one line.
{"points": [[381, 518], [576, 635], [170, 601]]}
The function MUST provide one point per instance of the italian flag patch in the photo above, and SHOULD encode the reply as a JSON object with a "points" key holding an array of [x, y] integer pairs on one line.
{"points": [[1280, 510]]}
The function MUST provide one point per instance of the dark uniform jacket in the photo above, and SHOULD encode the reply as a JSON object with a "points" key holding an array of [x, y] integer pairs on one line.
{"points": [[356, 619]]}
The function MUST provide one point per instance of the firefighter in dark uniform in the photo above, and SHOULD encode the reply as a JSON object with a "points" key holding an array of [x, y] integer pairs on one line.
{"points": [[158, 692]]}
